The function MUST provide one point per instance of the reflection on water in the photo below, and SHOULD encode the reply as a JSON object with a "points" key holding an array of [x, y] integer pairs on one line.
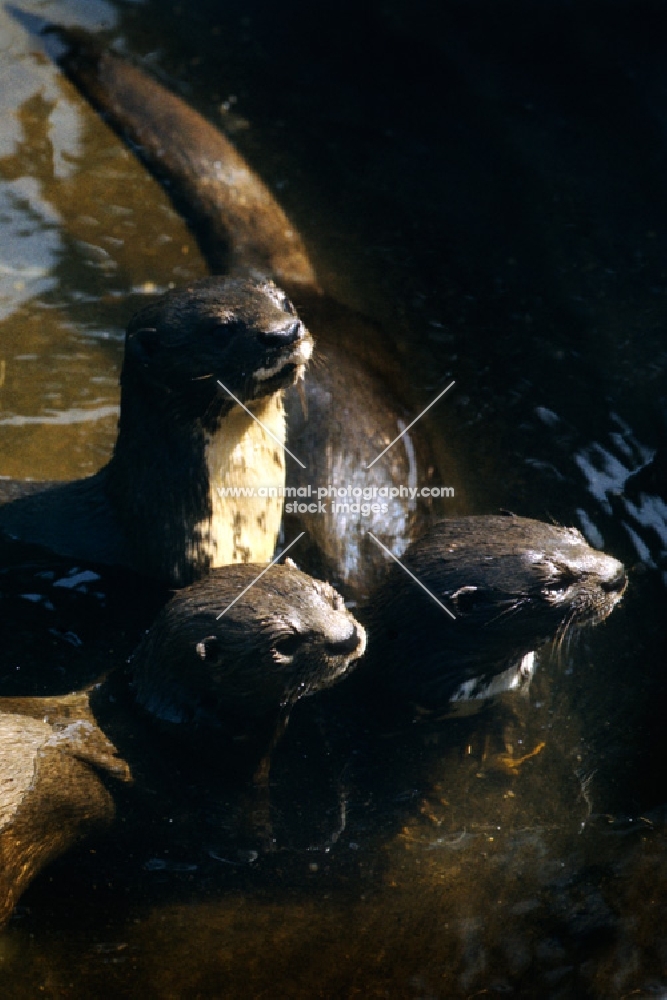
{"points": [[76, 233], [507, 221], [608, 470], [30, 244]]}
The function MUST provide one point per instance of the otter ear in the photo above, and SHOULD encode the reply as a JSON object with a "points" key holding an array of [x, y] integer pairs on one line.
{"points": [[142, 345], [209, 649]]}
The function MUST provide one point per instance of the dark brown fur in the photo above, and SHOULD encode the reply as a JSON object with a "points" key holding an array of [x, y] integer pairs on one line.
{"points": [[512, 583], [355, 390], [228, 682], [145, 509]]}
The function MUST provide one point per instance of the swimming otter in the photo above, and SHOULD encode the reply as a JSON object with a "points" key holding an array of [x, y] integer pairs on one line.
{"points": [[355, 391], [158, 505], [511, 582], [221, 665]]}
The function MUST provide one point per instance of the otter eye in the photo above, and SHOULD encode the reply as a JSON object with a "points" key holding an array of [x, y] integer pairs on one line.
{"points": [[466, 599], [218, 328], [565, 577], [289, 645], [209, 649]]}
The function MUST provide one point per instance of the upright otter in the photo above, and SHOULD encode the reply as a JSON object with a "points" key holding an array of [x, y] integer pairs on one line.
{"points": [[159, 505], [223, 663], [355, 391]]}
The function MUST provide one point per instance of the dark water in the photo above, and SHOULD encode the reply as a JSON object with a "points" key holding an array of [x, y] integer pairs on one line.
{"points": [[489, 181]]}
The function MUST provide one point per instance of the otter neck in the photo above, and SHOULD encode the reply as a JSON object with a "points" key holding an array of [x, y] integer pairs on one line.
{"points": [[242, 455], [183, 469]]}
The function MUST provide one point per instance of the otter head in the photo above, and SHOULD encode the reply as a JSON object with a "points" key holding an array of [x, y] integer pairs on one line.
{"points": [[233, 651], [242, 333], [512, 584]]}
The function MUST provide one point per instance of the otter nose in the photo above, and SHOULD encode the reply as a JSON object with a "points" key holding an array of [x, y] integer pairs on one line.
{"points": [[282, 335], [615, 583], [343, 646]]}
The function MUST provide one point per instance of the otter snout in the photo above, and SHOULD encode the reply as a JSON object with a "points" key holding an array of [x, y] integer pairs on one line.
{"points": [[288, 346], [602, 589], [282, 334], [354, 643], [613, 578]]}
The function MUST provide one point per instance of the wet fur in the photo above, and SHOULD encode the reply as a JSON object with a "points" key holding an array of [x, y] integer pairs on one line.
{"points": [[155, 506], [513, 583], [223, 683]]}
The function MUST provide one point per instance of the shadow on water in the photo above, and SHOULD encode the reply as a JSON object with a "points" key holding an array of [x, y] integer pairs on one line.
{"points": [[488, 180]]}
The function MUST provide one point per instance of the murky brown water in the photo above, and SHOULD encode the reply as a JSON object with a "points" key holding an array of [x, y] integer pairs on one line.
{"points": [[490, 183]]}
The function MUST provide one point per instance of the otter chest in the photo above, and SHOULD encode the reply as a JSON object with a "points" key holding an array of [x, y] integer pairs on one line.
{"points": [[246, 468]]}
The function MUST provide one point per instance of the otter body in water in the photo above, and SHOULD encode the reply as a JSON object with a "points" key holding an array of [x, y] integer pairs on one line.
{"points": [[512, 583], [225, 662], [160, 505], [355, 391], [226, 681]]}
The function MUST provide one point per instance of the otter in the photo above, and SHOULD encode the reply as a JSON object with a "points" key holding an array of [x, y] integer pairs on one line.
{"points": [[159, 505], [511, 583], [222, 666], [228, 657], [355, 401]]}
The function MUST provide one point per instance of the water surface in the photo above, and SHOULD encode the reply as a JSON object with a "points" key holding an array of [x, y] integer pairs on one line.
{"points": [[488, 181]]}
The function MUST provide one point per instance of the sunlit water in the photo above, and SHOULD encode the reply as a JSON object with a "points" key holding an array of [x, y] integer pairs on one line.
{"points": [[491, 186]]}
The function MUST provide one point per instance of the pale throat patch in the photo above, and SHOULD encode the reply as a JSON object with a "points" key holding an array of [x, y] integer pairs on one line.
{"points": [[241, 455]]}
